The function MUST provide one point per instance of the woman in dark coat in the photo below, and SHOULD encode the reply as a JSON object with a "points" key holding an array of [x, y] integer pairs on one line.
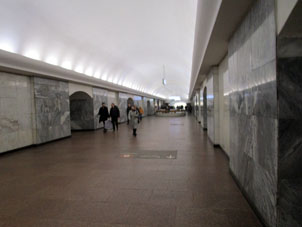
{"points": [[103, 113]]}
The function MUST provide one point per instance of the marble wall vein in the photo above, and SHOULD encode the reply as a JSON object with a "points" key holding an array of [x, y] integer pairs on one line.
{"points": [[16, 117], [52, 109]]}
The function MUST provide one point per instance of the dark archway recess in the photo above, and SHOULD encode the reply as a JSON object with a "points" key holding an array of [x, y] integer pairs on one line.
{"points": [[130, 101], [81, 111], [205, 109]]}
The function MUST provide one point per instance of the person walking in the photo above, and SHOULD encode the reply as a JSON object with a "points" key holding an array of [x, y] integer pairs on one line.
{"points": [[103, 113], [114, 114], [141, 113], [128, 109], [133, 116]]}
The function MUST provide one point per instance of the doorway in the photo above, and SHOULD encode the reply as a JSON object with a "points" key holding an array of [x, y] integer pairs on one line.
{"points": [[130, 101], [81, 111]]}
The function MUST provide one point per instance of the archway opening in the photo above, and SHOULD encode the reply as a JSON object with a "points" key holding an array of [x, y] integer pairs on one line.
{"points": [[130, 101], [81, 111]]}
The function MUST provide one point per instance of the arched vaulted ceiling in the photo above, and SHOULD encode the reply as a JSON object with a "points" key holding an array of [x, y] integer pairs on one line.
{"points": [[125, 42]]}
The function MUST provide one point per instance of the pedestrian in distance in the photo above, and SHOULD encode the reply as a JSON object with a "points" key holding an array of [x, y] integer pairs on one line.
{"points": [[128, 109], [103, 113], [115, 115], [141, 113], [134, 119]]}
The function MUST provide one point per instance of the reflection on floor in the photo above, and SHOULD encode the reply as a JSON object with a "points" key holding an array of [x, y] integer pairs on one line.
{"points": [[83, 181]]}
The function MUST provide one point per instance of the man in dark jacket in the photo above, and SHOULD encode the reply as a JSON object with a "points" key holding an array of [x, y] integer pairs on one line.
{"points": [[114, 114], [128, 109], [103, 112]]}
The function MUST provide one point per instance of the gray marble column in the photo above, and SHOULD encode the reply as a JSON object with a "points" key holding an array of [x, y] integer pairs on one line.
{"points": [[253, 108], [16, 123], [213, 105]]}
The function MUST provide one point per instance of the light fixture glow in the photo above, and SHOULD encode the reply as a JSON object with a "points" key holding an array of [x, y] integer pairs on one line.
{"points": [[176, 98], [67, 65], [89, 72], [104, 77], [52, 60], [33, 54], [79, 69], [6, 46], [115, 81], [97, 74]]}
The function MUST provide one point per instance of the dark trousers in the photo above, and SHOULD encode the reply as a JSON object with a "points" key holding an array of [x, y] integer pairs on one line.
{"points": [[105, 130], [114, 123]]}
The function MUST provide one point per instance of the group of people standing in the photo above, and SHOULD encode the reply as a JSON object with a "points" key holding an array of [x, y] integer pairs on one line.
{"points": [[134, 116]]}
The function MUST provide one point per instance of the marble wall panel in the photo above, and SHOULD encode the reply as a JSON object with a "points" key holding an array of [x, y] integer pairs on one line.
{"points": [[224, 114], [112, 98], [210, 108], [251, 88], [52, 109], [123, 104], [150, 107], [138, 101], [99, 96], [289, 68], [16, 123], [145, 105], [212, 86]]}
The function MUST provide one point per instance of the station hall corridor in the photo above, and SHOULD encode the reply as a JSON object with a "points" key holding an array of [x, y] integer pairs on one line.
{"points": [[169, 175]]}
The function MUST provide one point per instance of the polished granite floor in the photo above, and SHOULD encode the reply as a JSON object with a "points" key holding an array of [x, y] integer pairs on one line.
{"points": [[90, 180]]}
